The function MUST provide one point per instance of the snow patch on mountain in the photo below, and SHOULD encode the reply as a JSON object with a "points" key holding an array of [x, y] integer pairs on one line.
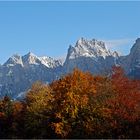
{"points": [[14, 60], [32, 59], [88, 48], [49, 62], [20, 72]]}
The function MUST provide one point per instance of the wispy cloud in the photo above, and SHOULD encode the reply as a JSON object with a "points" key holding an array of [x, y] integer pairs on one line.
{"points": [[112, 44], [122, 46]]}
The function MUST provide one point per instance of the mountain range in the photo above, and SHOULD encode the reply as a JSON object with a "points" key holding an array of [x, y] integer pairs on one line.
{"points": [[18, 73]]}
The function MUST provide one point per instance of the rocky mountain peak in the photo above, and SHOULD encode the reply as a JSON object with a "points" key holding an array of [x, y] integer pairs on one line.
{"points": [[29, 55], [138, 40], [136, 47], [87, 55], [30, 58], [14, 60], [90, 43], [49, 62], [94, 43], [132, 61], [80, 41], [88, 48]]}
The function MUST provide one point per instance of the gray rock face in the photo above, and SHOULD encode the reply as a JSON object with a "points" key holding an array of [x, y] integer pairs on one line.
{"points": [[90, 55], [20, 72], [131, 62]]}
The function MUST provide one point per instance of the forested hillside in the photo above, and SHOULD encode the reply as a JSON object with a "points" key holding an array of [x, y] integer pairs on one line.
{"points": [[78, 105]]}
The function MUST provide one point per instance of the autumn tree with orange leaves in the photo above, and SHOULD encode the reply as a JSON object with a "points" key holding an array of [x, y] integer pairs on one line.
{"points": [[78, 105]]}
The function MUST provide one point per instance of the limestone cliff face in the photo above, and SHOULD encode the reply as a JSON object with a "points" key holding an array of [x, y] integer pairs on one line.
{"points": [[131, 62], [18, 73], [90, 55]]}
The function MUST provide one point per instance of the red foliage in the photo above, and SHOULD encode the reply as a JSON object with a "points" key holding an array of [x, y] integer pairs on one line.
{"points": [[126, 104], [79, 105]]}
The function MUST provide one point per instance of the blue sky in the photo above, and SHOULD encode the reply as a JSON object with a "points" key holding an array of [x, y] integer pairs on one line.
{"points": [[48, 28]]}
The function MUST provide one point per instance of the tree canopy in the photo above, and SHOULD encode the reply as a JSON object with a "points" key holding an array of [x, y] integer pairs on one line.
{"points": [[78, 105]]}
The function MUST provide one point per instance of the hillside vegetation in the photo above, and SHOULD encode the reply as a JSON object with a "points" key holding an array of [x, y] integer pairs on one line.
{"points": [[78, 105]]}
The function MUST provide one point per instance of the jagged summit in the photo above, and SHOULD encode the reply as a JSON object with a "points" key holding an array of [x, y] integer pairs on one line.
{"points": [[90, 43], [136, 46], [90, 55], [31, 59], [20, 72], [49, 62], [134, 57], [30, 54], [14, 60], [88, 48], [138, 40]]}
